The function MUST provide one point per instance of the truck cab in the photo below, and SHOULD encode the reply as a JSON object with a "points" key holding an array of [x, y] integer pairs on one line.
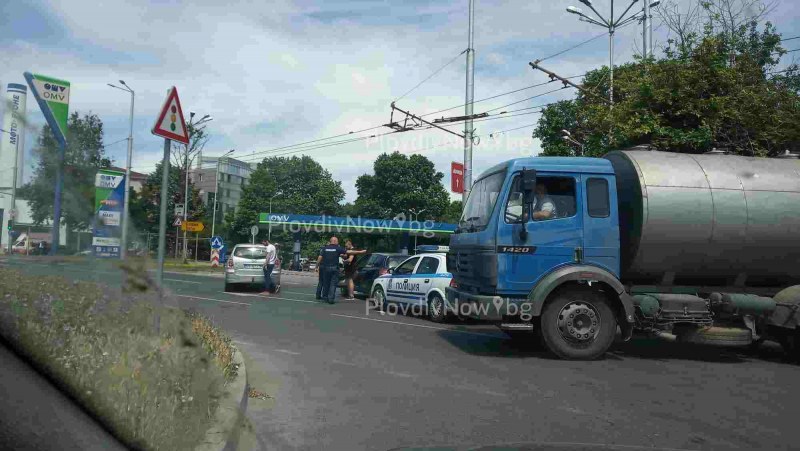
{"points": [[534, 225]]}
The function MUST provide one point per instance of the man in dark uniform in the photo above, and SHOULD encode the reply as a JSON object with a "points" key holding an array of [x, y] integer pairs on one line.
{"points": [[328, 267]]}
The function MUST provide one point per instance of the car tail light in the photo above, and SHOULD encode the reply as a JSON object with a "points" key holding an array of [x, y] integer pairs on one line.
{"points": [[230, 263], [453, 283]]}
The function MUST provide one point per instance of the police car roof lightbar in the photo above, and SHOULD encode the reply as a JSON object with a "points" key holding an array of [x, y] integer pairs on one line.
{"points": [[432, 248]]}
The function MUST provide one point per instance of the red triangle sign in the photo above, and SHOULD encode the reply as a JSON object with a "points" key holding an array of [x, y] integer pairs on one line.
{"points": [[170, 123]]}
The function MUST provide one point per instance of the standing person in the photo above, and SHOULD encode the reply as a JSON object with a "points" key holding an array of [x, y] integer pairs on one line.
{"points": [[350, 271], [269, 265], [328, 266]]}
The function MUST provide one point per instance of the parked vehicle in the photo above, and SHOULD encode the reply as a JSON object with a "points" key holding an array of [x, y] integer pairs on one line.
{"points": [[702, 248], [418, 281], [245, 267], [368, 267]]}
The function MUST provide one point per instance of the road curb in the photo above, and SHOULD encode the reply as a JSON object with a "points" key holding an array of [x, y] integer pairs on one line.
{"points": [[223, 434]]}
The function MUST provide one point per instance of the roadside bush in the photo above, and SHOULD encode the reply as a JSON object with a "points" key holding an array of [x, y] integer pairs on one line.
{"points": [[152, 390]]}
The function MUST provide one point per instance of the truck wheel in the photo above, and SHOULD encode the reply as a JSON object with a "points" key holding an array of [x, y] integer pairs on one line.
{"points": [[380, 298], [578, 324], [437, 310], [716, 336]]}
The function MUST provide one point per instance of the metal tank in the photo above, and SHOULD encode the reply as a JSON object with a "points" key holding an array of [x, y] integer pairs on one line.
{"points": [[708, 219]]}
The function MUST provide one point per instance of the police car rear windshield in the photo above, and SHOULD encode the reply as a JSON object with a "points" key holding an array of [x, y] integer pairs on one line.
{"points": [[252, 253], [480, 203]]}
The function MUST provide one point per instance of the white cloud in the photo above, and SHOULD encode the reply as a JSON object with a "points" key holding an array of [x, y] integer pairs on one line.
{"points": [[278, 72]]}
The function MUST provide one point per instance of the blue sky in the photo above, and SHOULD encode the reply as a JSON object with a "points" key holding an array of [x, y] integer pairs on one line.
{"points": [[281, 72]]}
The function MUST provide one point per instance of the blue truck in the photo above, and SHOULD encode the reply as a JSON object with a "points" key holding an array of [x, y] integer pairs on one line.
{"points": [[573, 252]]}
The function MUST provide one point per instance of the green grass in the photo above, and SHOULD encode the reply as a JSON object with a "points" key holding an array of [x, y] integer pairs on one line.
{"points": [[152, 390]]}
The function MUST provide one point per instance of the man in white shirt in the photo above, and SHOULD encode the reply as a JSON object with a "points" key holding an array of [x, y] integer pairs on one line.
{"points": [[543, 206], [269, 265]]}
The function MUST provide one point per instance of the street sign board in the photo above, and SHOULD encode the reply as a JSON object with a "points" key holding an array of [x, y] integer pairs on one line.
{"points": [[178, 209], [457, 177], [177, 222], [216, 242], [108, 205], [52, 95], [170, 123], [254, 230], [192, 226], [214, 257]]}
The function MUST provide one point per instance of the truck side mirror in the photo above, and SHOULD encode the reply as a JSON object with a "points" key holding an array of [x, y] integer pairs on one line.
{"points": [[528, 185]]}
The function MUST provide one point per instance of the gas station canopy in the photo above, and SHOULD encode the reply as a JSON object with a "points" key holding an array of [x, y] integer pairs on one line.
{"points": [[322, 224]]}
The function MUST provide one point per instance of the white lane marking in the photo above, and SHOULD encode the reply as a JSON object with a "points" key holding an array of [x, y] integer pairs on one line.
{"points": [[184, 281], [286, 351], [342, 362], [418, 325], [211, 299], [271, 297], [395, 373]]}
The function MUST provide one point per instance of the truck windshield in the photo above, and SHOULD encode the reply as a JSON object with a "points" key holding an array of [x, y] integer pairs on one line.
{"points": [[480, 202]]}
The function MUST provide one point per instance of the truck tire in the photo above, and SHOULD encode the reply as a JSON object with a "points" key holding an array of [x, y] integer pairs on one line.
{"points": [[437, 310], [578, 324], [717, 336]]}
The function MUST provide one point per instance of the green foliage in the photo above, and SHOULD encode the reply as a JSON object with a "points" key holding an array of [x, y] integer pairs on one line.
{"points": [[82, 159], [145, 207], [453, 212], [152, 390], [401, 183], [712, 89], [296, 185]]}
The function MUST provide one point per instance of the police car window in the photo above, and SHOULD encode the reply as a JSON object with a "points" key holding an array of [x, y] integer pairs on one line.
{"points": [[407, 266], [394, 261], [429, 265]]}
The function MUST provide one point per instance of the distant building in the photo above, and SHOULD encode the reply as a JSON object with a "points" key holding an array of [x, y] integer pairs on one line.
{"points": [[137, 178], [233, 177]]}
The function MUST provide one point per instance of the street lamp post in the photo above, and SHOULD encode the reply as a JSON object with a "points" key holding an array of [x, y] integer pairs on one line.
{"points": [[416, 214], [269, 230], [205, 119], [123, 252], [216, 192], [611, 25], [567, 136]]}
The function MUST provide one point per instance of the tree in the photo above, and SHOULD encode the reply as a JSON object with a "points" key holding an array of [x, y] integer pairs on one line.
{"points": [[297, 185], [453, 212], [401, 183], [145, 208], [715, 91], [83, 157]]}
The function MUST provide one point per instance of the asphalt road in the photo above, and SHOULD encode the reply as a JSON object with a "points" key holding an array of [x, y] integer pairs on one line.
{"points": [[346, 377]]}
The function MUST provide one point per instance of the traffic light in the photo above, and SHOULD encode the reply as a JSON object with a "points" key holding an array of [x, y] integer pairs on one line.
{"points": [[10, 224]]}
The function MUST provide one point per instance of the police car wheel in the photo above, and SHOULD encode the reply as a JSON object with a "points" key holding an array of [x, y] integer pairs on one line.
{"points": [[436, 309], [578, 324], [380, 298]]}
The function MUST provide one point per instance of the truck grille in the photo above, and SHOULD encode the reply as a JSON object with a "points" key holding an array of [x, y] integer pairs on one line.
{"points": [[475, 271]]}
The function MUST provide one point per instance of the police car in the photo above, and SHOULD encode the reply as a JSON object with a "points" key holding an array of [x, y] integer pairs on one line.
{"points": [[419, 282]]}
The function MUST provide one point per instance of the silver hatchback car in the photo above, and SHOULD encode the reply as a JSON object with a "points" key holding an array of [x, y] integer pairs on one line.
{"points": [[245, 266]]}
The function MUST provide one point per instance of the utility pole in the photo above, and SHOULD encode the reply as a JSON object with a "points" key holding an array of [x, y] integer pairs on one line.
{"points": [[646, 50], [468, 107]]}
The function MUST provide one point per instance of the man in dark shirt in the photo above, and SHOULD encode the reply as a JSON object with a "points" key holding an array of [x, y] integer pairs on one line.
{"points": [[328, 267]]}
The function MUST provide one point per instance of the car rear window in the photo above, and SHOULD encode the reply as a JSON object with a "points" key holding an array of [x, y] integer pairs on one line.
{"points": [[394, 261], [252, 253]]}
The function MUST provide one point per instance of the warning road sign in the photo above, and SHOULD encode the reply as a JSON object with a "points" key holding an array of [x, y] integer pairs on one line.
{"points": [[177, 222], [170, 123]]}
